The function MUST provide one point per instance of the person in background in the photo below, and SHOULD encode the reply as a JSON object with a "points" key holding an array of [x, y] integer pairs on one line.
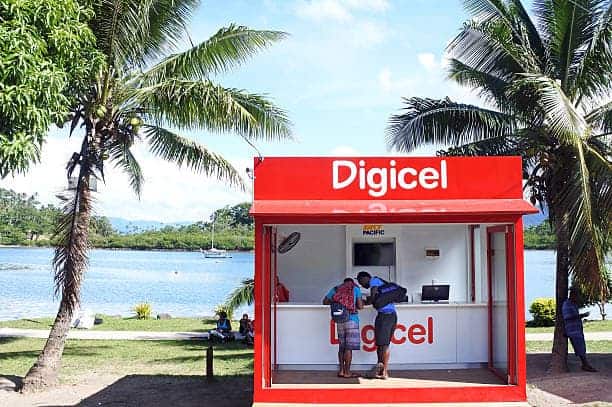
{"points": [[281, 292], [384, 324], [572, 319], [250, 336], [349, 295], [224, 328], [246, 329]]}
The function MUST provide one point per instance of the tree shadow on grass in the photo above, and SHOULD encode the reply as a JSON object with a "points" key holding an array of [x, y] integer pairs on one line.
{"points": [[576, 385], [175, 391]]}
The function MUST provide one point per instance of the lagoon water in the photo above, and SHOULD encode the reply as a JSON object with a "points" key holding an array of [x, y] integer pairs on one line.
{"points": [[179, 283]]}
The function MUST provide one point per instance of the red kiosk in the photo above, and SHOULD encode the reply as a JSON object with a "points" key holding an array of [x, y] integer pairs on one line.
{"points": [[453, 224]]}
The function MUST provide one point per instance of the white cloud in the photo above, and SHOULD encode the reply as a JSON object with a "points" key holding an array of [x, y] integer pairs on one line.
{"points": [[337, 10], [320, 10], [388, 84], [368, 5], [428, 60], [169, 193], [368, 33], [344, 151]]}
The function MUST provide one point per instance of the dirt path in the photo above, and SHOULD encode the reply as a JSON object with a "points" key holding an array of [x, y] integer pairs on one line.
{"points": [[139, 390], [570, 389]]}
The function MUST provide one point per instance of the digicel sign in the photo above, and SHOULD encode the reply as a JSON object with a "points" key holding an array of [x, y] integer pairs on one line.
{"points": [[377, 181], [416, 334], [387, 178]]}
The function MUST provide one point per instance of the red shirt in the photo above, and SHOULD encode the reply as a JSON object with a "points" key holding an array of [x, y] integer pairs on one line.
{"points": [[282, 294]]}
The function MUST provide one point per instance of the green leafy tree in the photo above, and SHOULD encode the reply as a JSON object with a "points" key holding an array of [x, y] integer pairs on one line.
{"points": [[546, 83], [140, 92], [233, 216], [47, 54]]}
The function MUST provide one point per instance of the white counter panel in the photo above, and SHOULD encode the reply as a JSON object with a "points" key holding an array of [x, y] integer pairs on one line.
{"points": [[425, 334]]}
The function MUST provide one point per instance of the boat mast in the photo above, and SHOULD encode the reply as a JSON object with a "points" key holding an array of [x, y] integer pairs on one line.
{"points": [[212, 242]]}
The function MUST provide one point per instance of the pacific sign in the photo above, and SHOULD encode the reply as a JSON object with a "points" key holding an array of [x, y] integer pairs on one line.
{"points": [[416, 334], [378, 181]]}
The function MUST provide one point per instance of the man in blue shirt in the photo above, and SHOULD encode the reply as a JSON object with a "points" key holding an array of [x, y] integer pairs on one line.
{"points": [[572, 319], [349, 295], [384, 325]]}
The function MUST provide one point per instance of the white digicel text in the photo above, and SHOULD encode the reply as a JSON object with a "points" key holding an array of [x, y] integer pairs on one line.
{"points": [[378, 181]]}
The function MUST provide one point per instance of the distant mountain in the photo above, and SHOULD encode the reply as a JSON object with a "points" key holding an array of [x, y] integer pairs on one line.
{"points": [[134, 226]]}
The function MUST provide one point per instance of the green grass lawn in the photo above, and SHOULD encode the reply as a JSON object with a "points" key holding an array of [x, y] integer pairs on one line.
{"points": [[590, 326], [202, 325], [126, 324], [128, 357], [158, 357], [592, 346]]}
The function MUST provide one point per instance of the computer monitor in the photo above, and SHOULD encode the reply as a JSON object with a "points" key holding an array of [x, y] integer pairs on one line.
{"points": [[435, 292]]}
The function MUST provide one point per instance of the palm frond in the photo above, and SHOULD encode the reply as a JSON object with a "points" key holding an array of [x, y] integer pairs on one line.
{"points": [[228, 48], [488, 48], [533, 35], [174, 148], [132, 32], [584, 206], [601, 118], [491, 88], [593, 75], [244, 294], [203, 104], [121, 156], [444, 122], [565, 122], [496, 146]]}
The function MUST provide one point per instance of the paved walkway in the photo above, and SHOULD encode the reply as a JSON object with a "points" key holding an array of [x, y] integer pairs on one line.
{"points": [[124, 335], [176, 336], [589, 336]]}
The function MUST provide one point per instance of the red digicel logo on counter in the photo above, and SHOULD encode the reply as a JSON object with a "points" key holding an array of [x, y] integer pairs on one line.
{"points": [[416, 334], [379, 180]]}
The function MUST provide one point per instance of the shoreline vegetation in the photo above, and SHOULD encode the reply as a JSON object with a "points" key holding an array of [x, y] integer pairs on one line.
{"points": [[25, 222]]}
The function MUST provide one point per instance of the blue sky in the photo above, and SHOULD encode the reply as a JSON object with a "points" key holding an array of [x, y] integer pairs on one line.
{"points": [[340, 75]]}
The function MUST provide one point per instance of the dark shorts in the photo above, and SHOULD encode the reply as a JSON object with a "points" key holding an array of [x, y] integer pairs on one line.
{"points": [[348, 335], [384, 326]]}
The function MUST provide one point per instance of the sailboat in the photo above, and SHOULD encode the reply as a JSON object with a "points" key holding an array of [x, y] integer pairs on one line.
{"points": [[214, 253]]}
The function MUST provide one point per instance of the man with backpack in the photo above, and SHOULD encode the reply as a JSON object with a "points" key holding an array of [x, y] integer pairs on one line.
{"points": [[344, 301], [386, 317]]}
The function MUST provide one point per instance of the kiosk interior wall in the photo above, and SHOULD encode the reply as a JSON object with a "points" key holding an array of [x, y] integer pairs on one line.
{"points": [[324, 256]]}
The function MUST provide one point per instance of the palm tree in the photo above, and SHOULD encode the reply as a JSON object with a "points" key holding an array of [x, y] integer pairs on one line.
{"points": [[244, 294], [546, 83], [135, 96]]}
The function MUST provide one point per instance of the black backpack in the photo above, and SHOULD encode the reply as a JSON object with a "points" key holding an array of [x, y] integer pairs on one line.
{"points": [[389, 293]]}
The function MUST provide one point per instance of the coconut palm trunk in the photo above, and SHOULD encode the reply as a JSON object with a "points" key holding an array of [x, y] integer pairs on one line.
{"points": [[558, 362], [70, 262], [546, 81], [142, 94]]}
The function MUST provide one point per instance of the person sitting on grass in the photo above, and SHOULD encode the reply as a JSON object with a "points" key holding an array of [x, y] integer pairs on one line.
{"points": [[246, 329], [573, 327], [223, 330]]}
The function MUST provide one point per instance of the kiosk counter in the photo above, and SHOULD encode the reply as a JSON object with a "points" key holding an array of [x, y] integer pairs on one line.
{"points": [[449, 230]]}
